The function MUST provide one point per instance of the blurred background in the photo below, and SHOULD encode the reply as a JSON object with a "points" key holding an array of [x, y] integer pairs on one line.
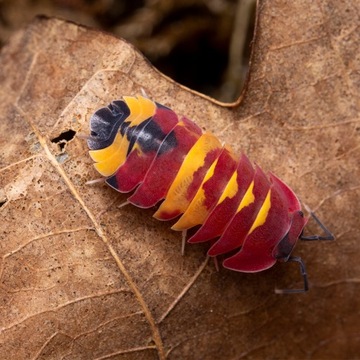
{"points": [[202, 44]]}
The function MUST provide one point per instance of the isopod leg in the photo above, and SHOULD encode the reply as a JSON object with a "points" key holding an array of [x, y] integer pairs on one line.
{"points": [[328, 233], [303, 274], [216, 263], [96, 181], [82, 136], [183, 241], [123, 204]]}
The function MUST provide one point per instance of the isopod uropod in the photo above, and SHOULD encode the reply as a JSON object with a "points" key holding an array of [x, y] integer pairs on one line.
{"points": [[143, 147]]}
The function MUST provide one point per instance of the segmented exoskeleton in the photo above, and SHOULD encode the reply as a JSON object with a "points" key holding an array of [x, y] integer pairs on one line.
{"points": [[143, 147]]}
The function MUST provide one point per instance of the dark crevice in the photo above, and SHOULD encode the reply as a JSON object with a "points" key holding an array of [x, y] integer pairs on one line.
{"points": [[3, 202], [64, 138]]}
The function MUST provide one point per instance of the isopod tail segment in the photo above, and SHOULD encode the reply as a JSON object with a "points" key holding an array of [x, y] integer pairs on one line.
{"points": [[145, 149], [283, 250]]}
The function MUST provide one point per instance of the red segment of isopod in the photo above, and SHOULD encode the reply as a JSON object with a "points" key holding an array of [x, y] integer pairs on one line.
{"points": [[228, 203], [144, 147], [209, 192], [257, 252], [166, 164], [245, 214], [188, 180]]}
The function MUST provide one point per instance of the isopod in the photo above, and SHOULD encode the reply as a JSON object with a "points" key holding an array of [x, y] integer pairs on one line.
{"points": [[146, 149]]}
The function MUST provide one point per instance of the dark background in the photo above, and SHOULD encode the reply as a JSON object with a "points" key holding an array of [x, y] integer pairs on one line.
{"points": [[204, 45]]}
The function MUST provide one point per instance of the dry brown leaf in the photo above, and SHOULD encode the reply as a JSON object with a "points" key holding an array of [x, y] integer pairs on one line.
{"points": [[82, 279]]}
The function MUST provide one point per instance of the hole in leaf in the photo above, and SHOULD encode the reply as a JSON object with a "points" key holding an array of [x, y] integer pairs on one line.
{"points": [[64, 138], [204, 47], [3, 201]]}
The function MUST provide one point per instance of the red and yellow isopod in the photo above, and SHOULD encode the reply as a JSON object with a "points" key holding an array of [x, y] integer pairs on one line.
{"points": [[142, 147]]}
